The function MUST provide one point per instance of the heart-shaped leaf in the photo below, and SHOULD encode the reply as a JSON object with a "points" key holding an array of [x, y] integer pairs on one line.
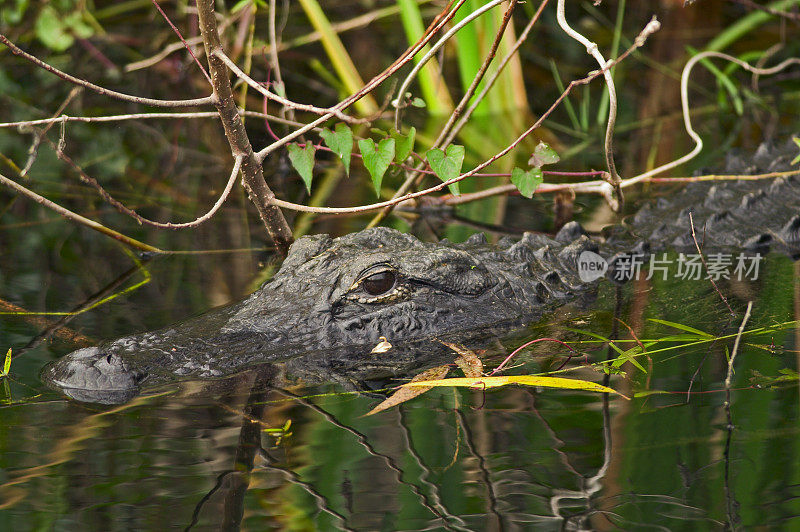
{"points": [[447, 165], [543, 154], [340, 142], [377, 159], [403, 144], [526, 182], [302, 160]]}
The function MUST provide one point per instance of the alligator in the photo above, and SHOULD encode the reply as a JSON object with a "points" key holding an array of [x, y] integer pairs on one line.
{"points": [[333, 299]]}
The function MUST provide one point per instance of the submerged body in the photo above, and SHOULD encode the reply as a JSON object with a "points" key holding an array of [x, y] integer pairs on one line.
{"points": [[334, 298]]}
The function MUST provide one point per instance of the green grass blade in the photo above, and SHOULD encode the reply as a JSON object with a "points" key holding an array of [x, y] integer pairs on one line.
{"points": [[432, 84], [682, 327], [338, 55]]}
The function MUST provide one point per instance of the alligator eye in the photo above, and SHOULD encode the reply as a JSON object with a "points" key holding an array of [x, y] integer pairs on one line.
{"points": [[379, 283]]}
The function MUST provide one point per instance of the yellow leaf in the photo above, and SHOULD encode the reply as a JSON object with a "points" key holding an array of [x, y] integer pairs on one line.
{"points": [[467, 360], [525, 380], [404, 394]]}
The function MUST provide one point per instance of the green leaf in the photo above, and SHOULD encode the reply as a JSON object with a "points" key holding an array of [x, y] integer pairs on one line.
{"points": [[796, 160], [240, 4], [76, 23], [447, 165], [303, 161], [51, 30], [543, 154], [377, 159], [682, 327], [527, 182], [629, 356], [418, 102], [404, 144], [341, 142], [526, 380], [7, 363]]}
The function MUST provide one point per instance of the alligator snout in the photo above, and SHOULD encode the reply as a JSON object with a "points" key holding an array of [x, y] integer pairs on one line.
{"points": [[91, 374]]}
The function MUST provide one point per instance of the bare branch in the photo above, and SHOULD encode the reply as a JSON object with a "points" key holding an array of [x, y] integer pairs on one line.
{"points": [[283, 101], [69, 215], [252, 173], [141, 116], [142, 220], [443, 18], [435, 48], [102, 90], [38, 135]]}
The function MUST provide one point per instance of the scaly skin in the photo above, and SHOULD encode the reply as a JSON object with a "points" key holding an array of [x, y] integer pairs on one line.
{"points": [[334, 298]]}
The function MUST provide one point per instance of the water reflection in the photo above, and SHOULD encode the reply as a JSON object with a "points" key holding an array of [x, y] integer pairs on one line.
{"points": [[219, 454]]}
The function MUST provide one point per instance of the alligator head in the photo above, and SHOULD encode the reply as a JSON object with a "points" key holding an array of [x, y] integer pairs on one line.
{"points": [[336, 295]]}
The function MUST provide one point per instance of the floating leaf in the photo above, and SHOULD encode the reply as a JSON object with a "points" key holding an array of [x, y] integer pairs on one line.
{"points": [[7, 363], [377, 159], [526, 380], [543, 154], [404, 394], [682, 327], [467, 360], [447, 165], [527, 182], [403, 144], [629, 356], [341, 142], [763, 381], [302, 160]]}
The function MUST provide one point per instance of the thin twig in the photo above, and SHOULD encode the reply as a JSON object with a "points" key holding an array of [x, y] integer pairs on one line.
{"points": [[414, 176], [496, 74], [33, 151], [489, 161], [729, 377], [68, 214], [473, 86], [102, 90], [435, 48], [252, 171], [185, 44], [703, 259], [280, 99], [141, 219], [140, 116], [443, 18], [687, 121]]}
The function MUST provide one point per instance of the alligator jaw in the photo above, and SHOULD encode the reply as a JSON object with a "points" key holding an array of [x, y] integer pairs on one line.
{"points": [[91, 375]]}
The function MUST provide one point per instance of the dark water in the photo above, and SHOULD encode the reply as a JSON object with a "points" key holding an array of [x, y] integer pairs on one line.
{"points": [[511, 458]]}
